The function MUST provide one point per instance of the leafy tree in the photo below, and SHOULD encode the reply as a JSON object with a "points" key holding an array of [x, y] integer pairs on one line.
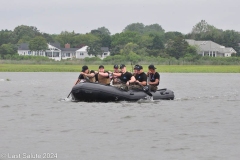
{"points": [[96, 32], [202, 27], [5, 37], [154, 28], [104, 31], [24, 39], [94, 48], [157, 42], [231, 38], [24, 31], [104, 36], [177, 48], [145, 41], [133, 57], [38, 44], [48, 37], [135, 27], [65, 37], [171, 35], [124, 38], [7, 49], [128, 48], [116, 50], [105, 40], [192, 50], [84, 39]]}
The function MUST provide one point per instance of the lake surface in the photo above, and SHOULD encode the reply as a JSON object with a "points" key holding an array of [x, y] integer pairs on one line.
{"points": [[203, 122]]}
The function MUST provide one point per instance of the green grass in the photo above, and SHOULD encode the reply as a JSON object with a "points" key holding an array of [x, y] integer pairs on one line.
{"points": [[160, 68]]}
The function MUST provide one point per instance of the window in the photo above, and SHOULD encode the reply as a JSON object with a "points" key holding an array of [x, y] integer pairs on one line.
{"points": [[81, 54], [55, 54], [48, 54]]}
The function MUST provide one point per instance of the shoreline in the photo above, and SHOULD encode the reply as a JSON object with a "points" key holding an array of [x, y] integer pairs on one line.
{"points": [[160, 68]]}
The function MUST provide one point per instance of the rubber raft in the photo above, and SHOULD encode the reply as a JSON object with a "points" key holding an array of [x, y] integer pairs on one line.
{"points": [[94, 92]]}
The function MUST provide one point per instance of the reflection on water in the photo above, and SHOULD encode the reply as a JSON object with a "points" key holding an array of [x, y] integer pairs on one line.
{"points": [[201, 123]]}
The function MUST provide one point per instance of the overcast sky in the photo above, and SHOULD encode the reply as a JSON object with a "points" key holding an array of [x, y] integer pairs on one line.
{"points": [[54, 16]]}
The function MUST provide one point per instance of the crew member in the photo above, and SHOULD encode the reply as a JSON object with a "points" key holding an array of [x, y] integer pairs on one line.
{"points": [[154, 78], [116, 80], [86, 75], [102, 76], [135, 70], [125, 77], [141, 78]]}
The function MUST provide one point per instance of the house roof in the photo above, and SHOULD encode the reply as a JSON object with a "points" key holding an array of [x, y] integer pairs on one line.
{"points": [[105, 49], [83, 49], [210, 46], [23, 46], [69, 49], [50, 47], [55, 44], [227, 50]]}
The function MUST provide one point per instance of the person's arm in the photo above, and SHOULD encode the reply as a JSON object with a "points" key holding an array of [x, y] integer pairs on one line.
{"points": [[117, 74], [79, 78], [103, 74], [77, 81], [96, 77], [144, 80], [91, 74], [132, 79], [157, 80], [143, 83]]}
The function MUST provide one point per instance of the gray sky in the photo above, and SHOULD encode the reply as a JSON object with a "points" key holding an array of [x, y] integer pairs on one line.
{"points": [[54, 16]]}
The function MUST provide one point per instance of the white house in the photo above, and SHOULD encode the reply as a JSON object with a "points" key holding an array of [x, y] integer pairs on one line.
{"points": [[105, 53], [57, 53], [82, 53], [212, 49], [52, 52]]}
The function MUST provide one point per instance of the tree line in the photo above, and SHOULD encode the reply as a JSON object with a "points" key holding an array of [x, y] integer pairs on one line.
{"points": [[136, 40]]}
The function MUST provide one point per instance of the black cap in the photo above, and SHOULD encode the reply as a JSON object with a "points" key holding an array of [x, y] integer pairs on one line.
{"points": [[115, 66], [122, 66], [84, 68], [136, 66], [139, 68], [101, 66], [151, 67]]}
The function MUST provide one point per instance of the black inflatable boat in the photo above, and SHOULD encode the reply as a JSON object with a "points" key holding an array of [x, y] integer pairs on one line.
{"points": [[102, 93]]}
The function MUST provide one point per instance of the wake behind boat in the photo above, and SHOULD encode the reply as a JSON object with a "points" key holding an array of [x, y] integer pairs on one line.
{"points": [[94, 92]]}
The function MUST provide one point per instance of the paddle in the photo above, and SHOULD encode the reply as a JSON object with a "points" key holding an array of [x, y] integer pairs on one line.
{"points": [[146, 89], [69, 94], [71, 90], [87, 79]]}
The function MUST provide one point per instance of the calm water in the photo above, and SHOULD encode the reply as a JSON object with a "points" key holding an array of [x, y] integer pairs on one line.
{"points": [[203, 122]]}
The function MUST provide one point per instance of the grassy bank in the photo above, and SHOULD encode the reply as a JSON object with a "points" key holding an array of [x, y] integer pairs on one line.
{"points": [[160, 68]]}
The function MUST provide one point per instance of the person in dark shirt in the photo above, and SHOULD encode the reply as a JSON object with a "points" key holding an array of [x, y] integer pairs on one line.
{"points": [[141, 77], [154, 78], [135, 70], [86, 75], [125, 77]]}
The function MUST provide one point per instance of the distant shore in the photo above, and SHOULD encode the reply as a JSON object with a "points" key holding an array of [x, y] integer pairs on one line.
{"points": [[160, 68]]}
